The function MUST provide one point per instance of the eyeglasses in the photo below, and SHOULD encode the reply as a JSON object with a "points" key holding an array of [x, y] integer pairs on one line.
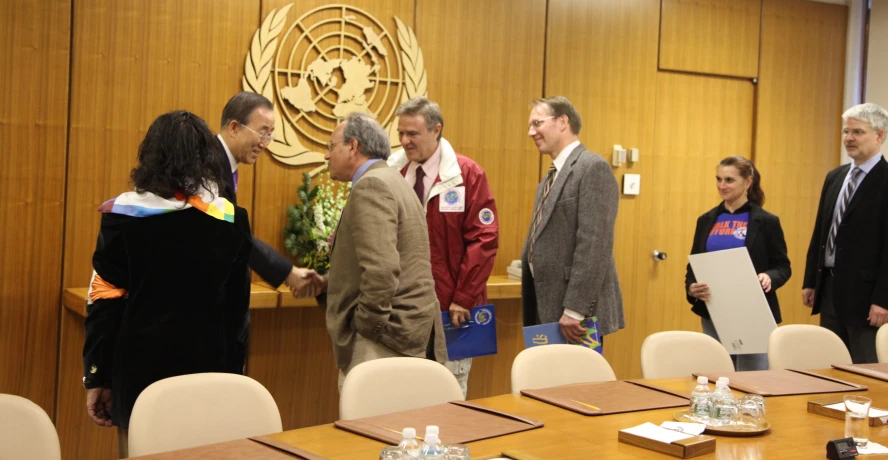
{"points": [[331, 144], [264, 138], [538, 123]]}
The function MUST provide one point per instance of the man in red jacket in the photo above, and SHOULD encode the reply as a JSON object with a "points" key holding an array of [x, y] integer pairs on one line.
{"points": [[460, 213]]}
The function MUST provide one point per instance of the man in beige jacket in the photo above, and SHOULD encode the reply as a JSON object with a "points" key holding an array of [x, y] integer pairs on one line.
{"points": [[381, 299]]}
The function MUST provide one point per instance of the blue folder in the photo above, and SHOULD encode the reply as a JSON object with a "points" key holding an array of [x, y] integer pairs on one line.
{"points": [[547, 334], [475, 338]]}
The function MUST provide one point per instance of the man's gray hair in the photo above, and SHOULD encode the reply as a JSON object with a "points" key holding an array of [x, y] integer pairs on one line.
{"points": [[373, 142], [429, 110], [870, 113], [558, 106]]}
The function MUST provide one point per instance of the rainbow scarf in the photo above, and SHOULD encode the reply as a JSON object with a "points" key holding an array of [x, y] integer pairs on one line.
{"points": [[147, 204]]}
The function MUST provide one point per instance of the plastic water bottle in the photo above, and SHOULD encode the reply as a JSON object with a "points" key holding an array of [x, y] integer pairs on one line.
{"points": [[722, 411], [433, 429], [701, 400], [430, 449], [409, 442]]}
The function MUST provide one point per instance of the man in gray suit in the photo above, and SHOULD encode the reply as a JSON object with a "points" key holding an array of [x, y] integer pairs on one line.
{"points": [[568, 269]]}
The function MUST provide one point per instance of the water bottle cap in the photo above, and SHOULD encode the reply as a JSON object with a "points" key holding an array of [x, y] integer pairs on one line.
{"points": [[702, 380], [409, 433], [431, 438], [432, 429], [722, 379]]}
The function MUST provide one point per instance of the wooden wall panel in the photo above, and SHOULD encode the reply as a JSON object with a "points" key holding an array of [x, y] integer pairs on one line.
{"points": [[485, 77], [34, 54], [603, 57], [718, 37], [798, 126], [133, 61]]}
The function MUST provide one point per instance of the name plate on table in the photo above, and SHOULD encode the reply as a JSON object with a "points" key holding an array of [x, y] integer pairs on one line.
{"points": [[550, 333], [475, 338], [656, 438], [835, 408]]}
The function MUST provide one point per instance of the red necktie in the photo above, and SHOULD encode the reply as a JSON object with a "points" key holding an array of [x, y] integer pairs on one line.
{"points": [[419, 186]]}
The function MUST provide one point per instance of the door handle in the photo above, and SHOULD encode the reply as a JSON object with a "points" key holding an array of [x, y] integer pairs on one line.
{"points": [[658, 256]]}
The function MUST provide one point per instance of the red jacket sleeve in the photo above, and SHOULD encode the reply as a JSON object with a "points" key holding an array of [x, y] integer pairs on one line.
{"points": [[480, 236]]}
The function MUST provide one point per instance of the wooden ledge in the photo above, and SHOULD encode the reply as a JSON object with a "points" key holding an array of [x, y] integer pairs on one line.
{"points": [[264, 296], [74, 299]]}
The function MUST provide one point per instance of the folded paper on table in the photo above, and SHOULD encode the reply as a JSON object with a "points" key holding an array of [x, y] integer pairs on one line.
{"points": [[737, 303], [834, 407], [462, 421], [550, 333], [475, 338], [659, 439]]}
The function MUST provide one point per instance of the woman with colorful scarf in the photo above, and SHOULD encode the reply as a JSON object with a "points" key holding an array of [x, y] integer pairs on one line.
{"points": [[170, 279]]}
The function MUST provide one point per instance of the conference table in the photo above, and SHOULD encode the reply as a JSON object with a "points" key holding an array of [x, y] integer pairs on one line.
{"points": [[795, 433]]}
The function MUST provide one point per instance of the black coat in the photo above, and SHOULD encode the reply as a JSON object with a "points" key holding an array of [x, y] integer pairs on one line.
{"points": [[187, 295], [766, 246], [268, 263], [861, 263]]}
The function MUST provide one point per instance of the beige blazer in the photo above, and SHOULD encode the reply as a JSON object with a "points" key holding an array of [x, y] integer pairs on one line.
{"points": [[380, 280]]}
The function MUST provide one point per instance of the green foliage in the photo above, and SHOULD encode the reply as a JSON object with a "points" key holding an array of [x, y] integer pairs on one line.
{"points": [[311, 223]]}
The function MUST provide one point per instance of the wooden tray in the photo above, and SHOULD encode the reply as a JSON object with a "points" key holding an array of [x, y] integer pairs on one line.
{"points": [[683, 416]]}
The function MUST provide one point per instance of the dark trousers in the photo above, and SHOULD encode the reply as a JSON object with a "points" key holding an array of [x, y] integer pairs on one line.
{"points": [[860, 339]]}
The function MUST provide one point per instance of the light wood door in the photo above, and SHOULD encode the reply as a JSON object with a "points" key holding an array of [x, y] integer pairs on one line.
{"points": [[698, 121]]}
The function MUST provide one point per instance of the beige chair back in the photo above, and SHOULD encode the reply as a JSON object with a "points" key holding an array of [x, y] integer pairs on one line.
{"points": [[680, 353], [26, 431], [805, 346], [558, 364], [387, 385], [197, 409], [882, 344]]}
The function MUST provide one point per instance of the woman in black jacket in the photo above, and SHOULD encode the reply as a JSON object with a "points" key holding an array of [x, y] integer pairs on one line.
{"points": [[170, 285], [740, 221]]}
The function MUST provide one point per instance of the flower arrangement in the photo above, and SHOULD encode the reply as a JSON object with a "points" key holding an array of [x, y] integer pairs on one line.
{"points": [[309, 231]]}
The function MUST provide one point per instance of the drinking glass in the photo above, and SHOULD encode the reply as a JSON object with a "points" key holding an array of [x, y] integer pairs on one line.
{"points": [[725, 413], [759, 401], [456, 452], [857, 418], [749, 414]]}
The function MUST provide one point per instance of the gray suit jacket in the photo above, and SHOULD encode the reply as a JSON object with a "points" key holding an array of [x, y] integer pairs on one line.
{"points": [[380, 283], [573, 259]]}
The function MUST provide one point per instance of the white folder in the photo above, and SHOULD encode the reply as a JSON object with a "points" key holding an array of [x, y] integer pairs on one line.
{"points": [[737, 303]]}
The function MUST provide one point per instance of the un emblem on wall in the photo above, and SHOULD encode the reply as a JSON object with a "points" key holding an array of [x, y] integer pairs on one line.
{"points": [[328, 63]]}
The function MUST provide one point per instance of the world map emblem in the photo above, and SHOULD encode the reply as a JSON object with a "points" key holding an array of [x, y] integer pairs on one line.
{"points": [[331, 61], [451, 197]]}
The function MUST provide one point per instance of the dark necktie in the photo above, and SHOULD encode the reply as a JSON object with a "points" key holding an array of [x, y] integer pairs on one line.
{"points": [[234, 179], [419, 186], [840, 212], [538, 213]]}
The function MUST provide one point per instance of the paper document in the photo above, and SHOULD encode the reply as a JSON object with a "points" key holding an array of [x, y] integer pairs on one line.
{"points": [[657, 433], [737, 303], [873, 412], [685, 427]]}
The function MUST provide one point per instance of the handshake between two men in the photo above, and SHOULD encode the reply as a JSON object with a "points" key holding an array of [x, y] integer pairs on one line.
{"points": [[304, 282]]}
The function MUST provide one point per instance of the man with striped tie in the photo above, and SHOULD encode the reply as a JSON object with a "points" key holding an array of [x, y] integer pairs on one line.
{"points": [[846, 277], [568, 268]]}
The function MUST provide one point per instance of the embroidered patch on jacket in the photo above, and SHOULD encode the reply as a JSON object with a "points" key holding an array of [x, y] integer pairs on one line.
{"points": [[486, 216]]}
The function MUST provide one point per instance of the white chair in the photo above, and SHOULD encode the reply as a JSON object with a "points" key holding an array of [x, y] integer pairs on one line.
{"points": [[882, 344], [559, 364], [680, 353], [386, 385], [197, 409], [804, 346], [26, 431]]}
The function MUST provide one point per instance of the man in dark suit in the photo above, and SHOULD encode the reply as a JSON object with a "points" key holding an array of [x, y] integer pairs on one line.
{"points": [[247, 129], [846, 277], [568, 268]]}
